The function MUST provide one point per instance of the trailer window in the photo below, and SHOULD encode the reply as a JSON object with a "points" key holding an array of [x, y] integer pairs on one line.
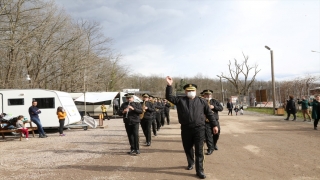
{"points": [[14, 102], [45, 103]]}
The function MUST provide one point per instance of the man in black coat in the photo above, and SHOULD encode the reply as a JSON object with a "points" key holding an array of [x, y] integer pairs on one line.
{"points": [[192, 113], [146, 117], [230, 107], [215, 106], [167, 107], [130, 111], [291, 108], [158, 107]]}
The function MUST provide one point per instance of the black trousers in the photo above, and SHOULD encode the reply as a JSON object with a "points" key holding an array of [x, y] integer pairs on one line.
{"points": [[133, 135], [230, 111], [147, 128], [162, 118], [158, 120], [209, 137], [315, 123], [216, 136], [294, 115], [143, 125], [154, 127], [105, 114], [167, 116], [61, 123], [193, 136]]}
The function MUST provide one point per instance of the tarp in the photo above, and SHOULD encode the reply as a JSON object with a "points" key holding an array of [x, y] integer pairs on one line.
{"points": [[93, 97]]}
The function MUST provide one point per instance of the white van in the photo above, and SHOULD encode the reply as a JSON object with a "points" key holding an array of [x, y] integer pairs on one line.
{"points": [[17, 102]]}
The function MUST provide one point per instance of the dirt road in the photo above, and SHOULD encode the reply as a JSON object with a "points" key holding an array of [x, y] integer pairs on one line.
{"points": [[251, 146]]}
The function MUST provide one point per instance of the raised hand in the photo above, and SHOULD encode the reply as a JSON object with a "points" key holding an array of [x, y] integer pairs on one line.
{"points": [[169, 80]]}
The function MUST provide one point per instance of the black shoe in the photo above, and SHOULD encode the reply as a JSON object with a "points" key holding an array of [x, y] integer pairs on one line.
{"points": [[42, 136], [108, 119], [190, 167], [215, 147], [131, 152], [149, 144], [210, 152], [168, 123], [315, 128], [201, 175], [293, 119], [286, 119], [137, 151], [155, 134]]}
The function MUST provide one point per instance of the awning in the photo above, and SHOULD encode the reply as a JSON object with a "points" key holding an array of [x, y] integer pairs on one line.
{"points": [[97, 97]]}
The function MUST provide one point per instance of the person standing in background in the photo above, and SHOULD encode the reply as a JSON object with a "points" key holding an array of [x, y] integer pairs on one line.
{"points": [[61, 113], [305, 108], [34, 116]]}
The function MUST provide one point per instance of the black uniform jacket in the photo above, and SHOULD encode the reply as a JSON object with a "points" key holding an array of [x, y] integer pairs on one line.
{"points": [[149, 112], [217, 108], [133, 115], [167, 107], [158, 106], [229, 105], [195, 115]]}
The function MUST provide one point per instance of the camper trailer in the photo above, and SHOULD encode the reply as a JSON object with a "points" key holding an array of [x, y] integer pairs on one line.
{"points": [[18, 101], [91, 101]]}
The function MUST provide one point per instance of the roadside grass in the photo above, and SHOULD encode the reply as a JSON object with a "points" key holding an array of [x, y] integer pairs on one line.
{"points": [[270, 112]]}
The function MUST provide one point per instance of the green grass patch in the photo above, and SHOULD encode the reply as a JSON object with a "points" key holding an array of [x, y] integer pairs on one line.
{"points": [[270, 111]]}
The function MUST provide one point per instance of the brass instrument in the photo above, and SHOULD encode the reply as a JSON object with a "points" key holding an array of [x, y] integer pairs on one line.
{"points": [[143, 110]]}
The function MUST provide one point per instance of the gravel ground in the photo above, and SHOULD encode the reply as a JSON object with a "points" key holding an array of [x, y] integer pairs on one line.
{"points": [[251, 146]]}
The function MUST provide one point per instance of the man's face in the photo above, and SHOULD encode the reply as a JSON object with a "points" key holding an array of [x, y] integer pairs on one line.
{"points": [[207, 95], [145, 99], [186, 91], [34, 103], [150, 99], [318, 98], [130, 99]]}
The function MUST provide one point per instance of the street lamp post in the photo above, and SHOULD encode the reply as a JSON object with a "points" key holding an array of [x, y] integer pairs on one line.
{"points": [[221, 90], [273, 82]]}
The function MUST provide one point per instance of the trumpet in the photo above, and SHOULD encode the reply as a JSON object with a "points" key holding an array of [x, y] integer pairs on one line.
{"points": [[128, 110], [143, 110]]}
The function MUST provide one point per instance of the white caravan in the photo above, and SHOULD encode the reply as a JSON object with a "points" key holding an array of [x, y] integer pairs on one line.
{"points": [[18, 101], [94, 100]]}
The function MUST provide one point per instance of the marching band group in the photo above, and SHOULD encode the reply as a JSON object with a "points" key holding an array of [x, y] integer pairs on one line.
{"points": [[198, 117]]}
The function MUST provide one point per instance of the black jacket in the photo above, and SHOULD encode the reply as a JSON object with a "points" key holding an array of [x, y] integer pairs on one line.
{"points": [[191, 112], [217, 108], [149, 112], [158, 106], [167, 107], [291, 106], [133, 115], [229, 105]]}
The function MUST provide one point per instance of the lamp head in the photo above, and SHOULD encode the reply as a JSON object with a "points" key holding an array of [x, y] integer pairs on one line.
{"points": [[267, 47]]}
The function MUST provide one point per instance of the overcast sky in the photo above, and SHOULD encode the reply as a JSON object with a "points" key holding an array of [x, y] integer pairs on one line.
{"points": [[189, 37]]}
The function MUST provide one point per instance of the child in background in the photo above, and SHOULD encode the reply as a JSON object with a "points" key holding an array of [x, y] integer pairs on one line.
{"points": [[241, 110], [61, 116], [20, 125], [236, 109]]}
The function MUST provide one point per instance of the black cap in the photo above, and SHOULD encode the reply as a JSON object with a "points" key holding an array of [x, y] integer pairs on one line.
{"points": [[207, 91], [129, 95], [190, 87]]}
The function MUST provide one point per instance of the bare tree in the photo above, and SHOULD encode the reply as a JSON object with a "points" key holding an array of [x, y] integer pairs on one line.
{"points": [[239, 75]]}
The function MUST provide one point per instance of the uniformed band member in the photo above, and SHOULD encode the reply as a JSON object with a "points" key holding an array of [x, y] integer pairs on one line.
{"points": [[167, 106], [154, 123], [158, 108], [192, 114], [162, 111], [147, 117], [130, 111], [215, 106]]}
